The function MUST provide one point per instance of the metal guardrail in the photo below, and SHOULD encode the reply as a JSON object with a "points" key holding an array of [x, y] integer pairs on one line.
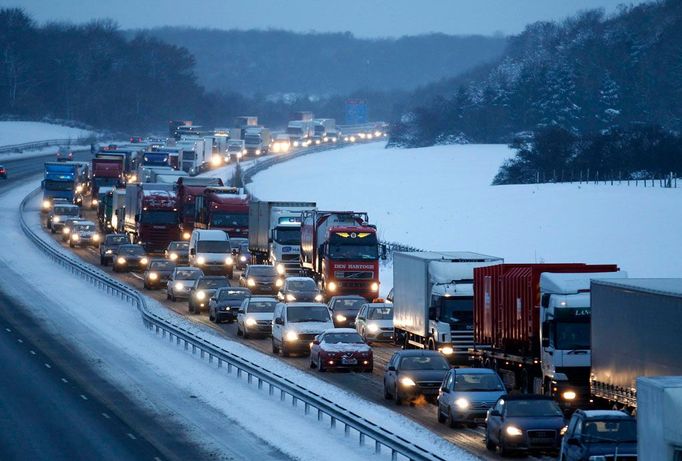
{"points": [[36, 145], [287, 389]]}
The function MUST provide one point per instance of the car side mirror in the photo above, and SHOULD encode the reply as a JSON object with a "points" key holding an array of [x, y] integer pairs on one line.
{"points": [[316, 341], [240, 311], [445, 390], [234, 252], [361, 318], [391, 368], [573, 442], [495, 413], [212, 299], [279, 321]]}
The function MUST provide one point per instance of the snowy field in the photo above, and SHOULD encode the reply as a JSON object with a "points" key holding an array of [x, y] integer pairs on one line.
{"points": [[440, 198], [175, 384], [22, 132]]}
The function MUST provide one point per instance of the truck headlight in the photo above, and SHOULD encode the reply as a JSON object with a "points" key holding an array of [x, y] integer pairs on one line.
{"points": [[291, 297], [173, 256], [242, 258], [186, 235], [373, 328], [75, 237], [251, 282], [374, 287], [79, 188], [291, 336], [95, 238], [331, 287], [258, 152], [153, 276], [462, 403], [66, 230], [569, 395], [94, 201], [250, 322], [279, 282], [341, 318], [229, 260], [46, 204], [318, 298], [200, 295], [121, 260], [281, 269], [201, 260], [144, 260], [108, 252], [447, 350], [407, 382], [513, 431]]}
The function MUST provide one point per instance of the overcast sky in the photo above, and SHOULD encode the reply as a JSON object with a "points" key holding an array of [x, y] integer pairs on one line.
{"points": [[364, 18]]}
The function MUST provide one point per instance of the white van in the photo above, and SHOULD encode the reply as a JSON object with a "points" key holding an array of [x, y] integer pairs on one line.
{"points": [[210, 251], [295, 325]]}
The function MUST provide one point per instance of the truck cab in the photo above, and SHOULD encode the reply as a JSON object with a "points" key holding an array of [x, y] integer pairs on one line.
{"points": [[224, 208]]}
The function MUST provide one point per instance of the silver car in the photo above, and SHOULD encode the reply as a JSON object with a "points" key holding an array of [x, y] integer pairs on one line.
{"points": [[181, 282], [84, 233], [466, 394]]}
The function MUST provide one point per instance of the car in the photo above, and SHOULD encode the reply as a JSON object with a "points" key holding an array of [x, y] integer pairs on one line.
{"points": [[225, 303], [295, 326], [254, 317], [157, 274], [109, 247], [299, 289], [181, 281], [599, 434], [261, 278], [374, 322], [130, 257], [204, 287], [414, 373], [68, 225], [344, 309], [466, 394], [341, 348], [210, 250], [178, 252], [84, 233], [3, 172], [524, 423], [243, 256], [59, 214]]}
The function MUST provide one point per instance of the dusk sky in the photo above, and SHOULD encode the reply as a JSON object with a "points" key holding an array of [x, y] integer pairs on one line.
{"points": [[364, 18]]}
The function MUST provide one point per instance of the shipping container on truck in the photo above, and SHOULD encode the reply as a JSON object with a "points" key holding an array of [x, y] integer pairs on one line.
{"points": [[636, 328], [325, 129], [245, 121], [105, 173], [173, 126], [433, 300], [104, 209], [303, 115], [275, 233], [59, 181], [341, 251], [151, 215], [532, 323], [128, 157], [300, 131], [188, 188], [224, 208], [191, 154], [148, 173]]}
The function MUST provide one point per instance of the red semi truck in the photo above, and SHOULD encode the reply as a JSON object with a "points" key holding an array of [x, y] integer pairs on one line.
{"points": [[188, 189], [151, 215], [340, 250], [532, 325], [105, 173], [224, 208]]}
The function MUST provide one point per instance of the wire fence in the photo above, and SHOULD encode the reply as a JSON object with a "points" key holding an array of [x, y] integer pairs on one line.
{"points": [[611, 178]]}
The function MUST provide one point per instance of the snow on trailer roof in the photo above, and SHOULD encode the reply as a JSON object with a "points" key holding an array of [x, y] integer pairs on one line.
{"points": [[661, 286], [457, 256], [571, 283]]}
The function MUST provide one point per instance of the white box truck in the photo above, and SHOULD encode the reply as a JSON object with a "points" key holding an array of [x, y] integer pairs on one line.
{"points": [[659, 426]]}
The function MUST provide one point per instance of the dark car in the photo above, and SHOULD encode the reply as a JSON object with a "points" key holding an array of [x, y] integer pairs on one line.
{"points": [[344, 309], [203, 290], [525, 423], [341, 348], [3, 172], [299, 289], [59, 214], [243, 256], [225, 304], [109, 247], [177, 252], [261, 278], [158, 272], [600, 434], [413, 373], [130, 257], [466, 395]]}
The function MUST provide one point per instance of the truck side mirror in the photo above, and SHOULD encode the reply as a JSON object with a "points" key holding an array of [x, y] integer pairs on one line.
{"points": [[279, 321], [192, 251], [383, 251], [573, 441]]}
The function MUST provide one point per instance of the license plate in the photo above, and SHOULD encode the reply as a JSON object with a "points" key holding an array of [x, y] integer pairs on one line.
{"points": [[349, 361]]}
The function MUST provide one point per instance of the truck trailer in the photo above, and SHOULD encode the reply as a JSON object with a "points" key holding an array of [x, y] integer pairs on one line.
{"points": [[224, 208], [433, 300], [659, 426], [532, 325], [636, 325], [151, 215], [187, 190], [105, 173]]}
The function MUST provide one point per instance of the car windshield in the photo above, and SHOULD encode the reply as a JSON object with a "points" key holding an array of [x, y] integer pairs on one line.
{"points": [[131, 250], [117, 239], [533, 408], [161, 265], [84, 227], [348, 338], [232, 294], [477, 382], [572, 335], [264, 271], [175, 246], [261, 306], [380, 313], [66, 210], [187, 274], [348, 305], [244, 248], [213, 283], [301, 285], [423, 362], [308, 314], [610, 431], [213, 246], [229, 220]]}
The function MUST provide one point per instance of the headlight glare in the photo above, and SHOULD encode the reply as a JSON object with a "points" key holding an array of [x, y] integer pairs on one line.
{"points": [[250, 322], [375, 287], [569, 395], [179, 286], [201, 260], [291, 336], [153, 276], [290, 297], [201, 295], [279, 283], [340, 318], [462, 403], [407, 382], [242, 258], [251, 282], [173, 256], [513, 431], [318, 297], [331, 287], [373, 328], [121, 260], [144, 260], [229, 260], [281, 269]]}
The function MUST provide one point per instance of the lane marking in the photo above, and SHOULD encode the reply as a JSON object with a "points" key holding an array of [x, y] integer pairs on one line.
{"points": [[20, 341], [131, 436], [64, 380], [106, 416], [48, 365], [33, 352], [84, 397], [8, 330]]}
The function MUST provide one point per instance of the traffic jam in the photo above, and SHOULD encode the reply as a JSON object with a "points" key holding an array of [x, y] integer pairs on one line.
{"points": [[499, 351]]}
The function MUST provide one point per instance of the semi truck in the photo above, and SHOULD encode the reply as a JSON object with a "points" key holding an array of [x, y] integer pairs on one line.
{"points": [[191, 155], [303, 115], [59, 181], [659, 426], [325, 130], [224, 208], [636, 325], [105, 173], [300, 131], [340, 250], [118, 207], [245, 121], [187, 190], [433, 300], [532, 325], [151, 215], [275, 233], [128, 157], [257, 141]]}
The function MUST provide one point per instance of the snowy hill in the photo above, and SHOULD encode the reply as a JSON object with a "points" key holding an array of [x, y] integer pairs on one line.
{"points": [[22, 132], [440, 198]]}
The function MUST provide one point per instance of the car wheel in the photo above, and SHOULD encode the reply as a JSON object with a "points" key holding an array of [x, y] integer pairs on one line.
{"points": [[210, 317], [239, 331], [245, 334], [441, 416], [312, 362], [275, 349], [172, 296], [387, 395], [320, 367], [71, 244], [503, 449], [450, 420], [283, 351], [190, 308], [489, 445], [52, 230], [396, 396]]}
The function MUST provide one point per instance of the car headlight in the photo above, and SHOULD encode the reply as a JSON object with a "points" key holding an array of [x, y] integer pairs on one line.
{"points": [[173, 256], [407, 382], [79, 188], [229, 260], [144, 260], [375, 287], [373, 328], [201, 260], [331, 287], [242, 258], [121, 260], [94, 201], [291, 336], [318, 297], [46, 204], [291, 297], [55, 219], [153, 276], [279, 282], [75, 237], [179, 286], [340, 318], [251, 282], [281, 269], [462, 403], [108, 252], [563, 430], [513, 431], [95, 237], [250, 322], [186, 235], [66, 230], [447, 350], [568, 395], [200, 295]]}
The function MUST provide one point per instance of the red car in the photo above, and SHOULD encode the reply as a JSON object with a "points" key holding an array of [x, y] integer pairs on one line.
{"points": [[341, 348]]}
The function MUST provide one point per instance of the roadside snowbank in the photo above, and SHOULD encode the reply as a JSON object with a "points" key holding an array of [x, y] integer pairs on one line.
{"points": [[22, 132]]}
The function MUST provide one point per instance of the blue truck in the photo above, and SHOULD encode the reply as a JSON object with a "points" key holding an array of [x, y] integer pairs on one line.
{"points": [[59, 181]]}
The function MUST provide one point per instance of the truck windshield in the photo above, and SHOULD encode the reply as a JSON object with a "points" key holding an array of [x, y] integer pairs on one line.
{"points": [[188, 210], [103, 182], [572, 335], [458, 312], [319, 129], [287, 236], [213, 246], [229, 220], [295, 131], [252, 139], [58, 185], [159, 217], [353, 252]]}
